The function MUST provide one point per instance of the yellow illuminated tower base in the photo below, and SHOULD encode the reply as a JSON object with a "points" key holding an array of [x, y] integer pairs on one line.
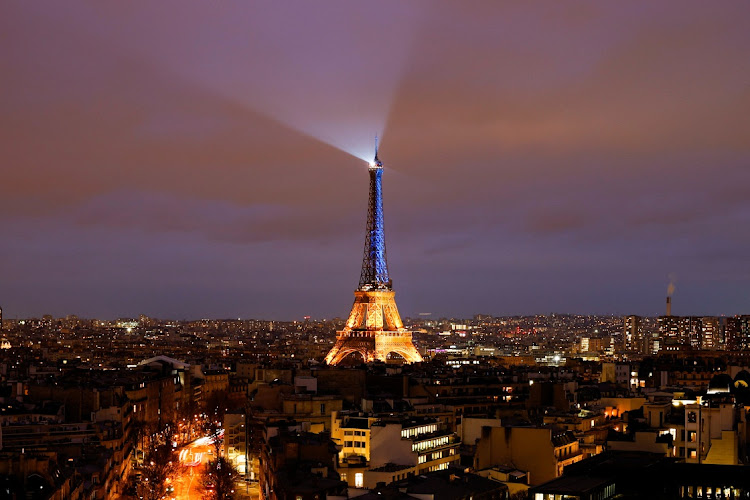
{"points": [[374, 328]]}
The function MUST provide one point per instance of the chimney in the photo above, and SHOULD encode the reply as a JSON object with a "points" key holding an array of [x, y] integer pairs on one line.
{"points": [[669, 305]]}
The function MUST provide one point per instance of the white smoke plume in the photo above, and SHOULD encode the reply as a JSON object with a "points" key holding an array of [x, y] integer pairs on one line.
{"points": [[670, 288]]}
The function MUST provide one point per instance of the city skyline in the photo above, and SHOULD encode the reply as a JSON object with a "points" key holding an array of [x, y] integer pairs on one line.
{"points": [[569, 159]]}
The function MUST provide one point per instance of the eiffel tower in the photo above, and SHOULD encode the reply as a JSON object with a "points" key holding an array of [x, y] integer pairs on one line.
{"points": [[374, 328]]}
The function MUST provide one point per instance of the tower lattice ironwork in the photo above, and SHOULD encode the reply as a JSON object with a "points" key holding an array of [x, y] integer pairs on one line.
{"points": [[374, 273], [374, 328]]}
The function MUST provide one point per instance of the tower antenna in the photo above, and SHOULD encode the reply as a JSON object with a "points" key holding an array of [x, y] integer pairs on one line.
{"points": [[376, 145]]}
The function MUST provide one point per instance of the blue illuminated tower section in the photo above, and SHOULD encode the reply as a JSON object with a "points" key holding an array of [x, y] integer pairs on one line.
{"points": [[374, 273]]}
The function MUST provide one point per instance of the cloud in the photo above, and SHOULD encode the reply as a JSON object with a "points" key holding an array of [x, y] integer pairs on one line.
{"points": [[525, 144], [213, 220], [555, 221]]}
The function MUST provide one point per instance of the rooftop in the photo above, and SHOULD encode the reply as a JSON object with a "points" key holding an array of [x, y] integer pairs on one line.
{"points": [[391, 468], [573, 485]]}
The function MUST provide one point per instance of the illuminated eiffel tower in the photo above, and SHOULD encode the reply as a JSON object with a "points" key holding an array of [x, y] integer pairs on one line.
{"points": [[374, 328]]}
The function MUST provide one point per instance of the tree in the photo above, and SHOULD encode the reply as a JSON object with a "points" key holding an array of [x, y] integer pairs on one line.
{"points": [[159, 464], [138, 433], [220, 474], [186, 418], [213, 430], [219, 478]]}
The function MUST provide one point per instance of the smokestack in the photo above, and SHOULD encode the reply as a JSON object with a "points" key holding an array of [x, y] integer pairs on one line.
{"points": [[670, 292]]}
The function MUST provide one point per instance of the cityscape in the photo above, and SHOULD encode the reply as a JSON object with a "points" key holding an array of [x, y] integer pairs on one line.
{"points": [[184, 217]]}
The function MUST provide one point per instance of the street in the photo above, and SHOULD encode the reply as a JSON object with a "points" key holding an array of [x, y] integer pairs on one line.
{"points": [[193, 457], [187, 483]]}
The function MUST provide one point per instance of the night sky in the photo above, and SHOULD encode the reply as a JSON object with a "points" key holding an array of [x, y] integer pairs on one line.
{"points": [[207, 159]]}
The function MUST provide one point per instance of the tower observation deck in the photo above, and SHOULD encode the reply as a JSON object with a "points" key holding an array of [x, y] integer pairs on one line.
{"points": [[374, 328]]}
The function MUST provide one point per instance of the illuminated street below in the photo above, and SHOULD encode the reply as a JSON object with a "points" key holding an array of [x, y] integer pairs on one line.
{"points": [[193, 458]]}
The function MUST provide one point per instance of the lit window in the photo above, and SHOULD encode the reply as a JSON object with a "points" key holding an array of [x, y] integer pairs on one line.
{"points": [[359, 480]]}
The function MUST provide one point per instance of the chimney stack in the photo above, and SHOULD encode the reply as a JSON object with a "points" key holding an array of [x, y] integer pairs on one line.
{"points": [[669, 305]]}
